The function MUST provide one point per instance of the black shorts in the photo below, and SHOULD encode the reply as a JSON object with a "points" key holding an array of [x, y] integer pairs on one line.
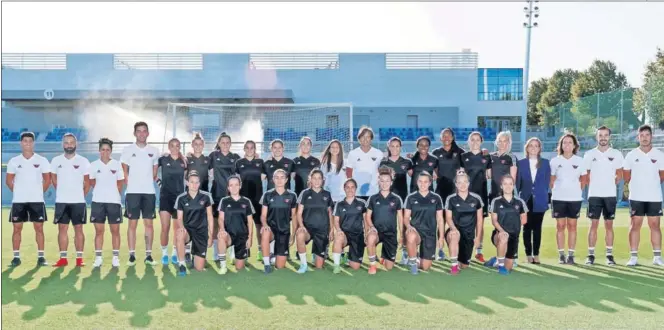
{"points": [[512, 251], [321, 240], [390, 243], [99, 212], [23, 212], [466, 245], [239, 243], [427, 245], [645, 209], [281, 242], [139, 206], [259, 211], [356, 245], [199, 241], [167, 204], [598, 206], [566, 209], [443, 189], [74, 213]]}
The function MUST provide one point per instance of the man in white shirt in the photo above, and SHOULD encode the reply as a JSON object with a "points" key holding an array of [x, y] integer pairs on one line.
{"points": [[643, 170], [363, 164], [139, 163], [70, 177], [28, 178], [604, 166], [106, 179]]}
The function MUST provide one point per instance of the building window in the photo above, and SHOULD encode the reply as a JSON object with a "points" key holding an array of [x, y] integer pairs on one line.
{"points": [[332, 121], [492, 125], [411, 121], [499, 84]]}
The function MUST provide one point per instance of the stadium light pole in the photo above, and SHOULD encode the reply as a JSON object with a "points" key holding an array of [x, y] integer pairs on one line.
{"points": [[532, 13]]}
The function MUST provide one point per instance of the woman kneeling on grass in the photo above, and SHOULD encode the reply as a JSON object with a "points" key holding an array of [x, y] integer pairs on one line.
{"points": [[383, 218], [315, 221], [423, 216], [464, 211], [349, 228], [195, 223], [508, 214], [235, 225]]}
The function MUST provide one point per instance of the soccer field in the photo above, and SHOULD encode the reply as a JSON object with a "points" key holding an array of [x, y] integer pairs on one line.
{"points": [[533, 296]]}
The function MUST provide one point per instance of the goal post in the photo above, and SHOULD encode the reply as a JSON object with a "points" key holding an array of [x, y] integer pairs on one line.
{"points": [[263, 123]]}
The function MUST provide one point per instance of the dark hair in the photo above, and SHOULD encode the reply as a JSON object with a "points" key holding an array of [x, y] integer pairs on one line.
{"points": [[197, 136], [234, 177], [69, 135], [454, 145], [249, 142], [427, 174], [390, 141], [193, 173], [326, 156], [559, 149], [140, 124], [27, 135], [363, 130], [384, 170], [645, 127], [604, 128], [422, 138], [106, 141], [314, 172], [350, 180], [221, 136], [506, 176]]}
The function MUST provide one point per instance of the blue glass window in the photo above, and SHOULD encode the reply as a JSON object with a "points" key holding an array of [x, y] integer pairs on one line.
{"points": [[504, 84]]}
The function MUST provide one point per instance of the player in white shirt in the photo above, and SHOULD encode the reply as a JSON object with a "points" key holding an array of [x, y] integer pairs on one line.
{"points": [[140, 163], [363, 163], [334, 171], [643, 170], [106, 180], [71, 180], [604, 166], [568, 178], [28, 178]]}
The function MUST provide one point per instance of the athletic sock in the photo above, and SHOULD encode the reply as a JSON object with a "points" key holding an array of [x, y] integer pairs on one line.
{"points": [[501, 261], [181, 263], [657, 253], [187, 248], [132, 253], [609, 250], [17, 254], [40, 254], [272, 248], [214, 247], [591, 251], [412, 261], [63, 254], [174, 252], [570, 252], [336, 257], [479, 250], [148, 253], [116, 253], [561, 252], [266, 261], [98, 253], [634, 254], [222, 259], [164, 250], [372, 260], [455, 260], [79, 254], [303, 258]]}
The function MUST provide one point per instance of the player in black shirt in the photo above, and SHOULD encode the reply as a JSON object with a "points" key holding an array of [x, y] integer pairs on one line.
{"points": [[478, 167], [464, 221], [235, 225], [195, 223], [383, 218], [197, 161], [508, 214], [503, 162], [349, 227], [222, 163], [423, 217], [173, 167], [276, 162], [279, 207], [303, 164], [252, 172], [315, 221], [402, 167], [422, 161]]}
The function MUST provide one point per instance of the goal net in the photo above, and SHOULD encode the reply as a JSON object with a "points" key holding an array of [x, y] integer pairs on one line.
{"points": [[262, 123]]}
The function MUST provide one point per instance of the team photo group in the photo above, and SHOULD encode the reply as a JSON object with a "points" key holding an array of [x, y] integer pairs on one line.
{"points": [[430, 205]]}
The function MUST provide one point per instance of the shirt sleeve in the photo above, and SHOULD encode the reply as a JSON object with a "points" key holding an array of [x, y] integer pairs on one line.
{"points": [[250, 208], [336, 211], [293, 201], [408, 202], [350, 163], [179, 203], [155, 156], [11, 167], [330, 203], [399, 203], [208, 200], [587, 161], [53, 166], [488, 161], [660, 161], [301, 197], [370, 205], [264, 201], [92, 172], [524, 207], [125, 157], [86, 163], [119, 172], [554, 166], [619, 159], [439, 203], [627, 163]]}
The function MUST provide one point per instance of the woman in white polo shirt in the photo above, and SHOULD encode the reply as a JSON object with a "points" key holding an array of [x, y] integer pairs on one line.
{"points": [[568, 178], [363, 164]]}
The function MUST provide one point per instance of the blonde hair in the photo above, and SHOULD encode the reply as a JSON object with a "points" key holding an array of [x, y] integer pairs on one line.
{"points": [[508, 136], [539, 154]]}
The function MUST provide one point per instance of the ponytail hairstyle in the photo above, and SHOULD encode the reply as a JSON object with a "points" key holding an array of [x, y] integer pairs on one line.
{"points": [[234, 177], [248, 142], [350, 180], [221, 136], [193, 173], [454, 146], [420, 139], [180, 155], [196, 136], [426, 174], [459, 175], [389, 154], [299, 152]]}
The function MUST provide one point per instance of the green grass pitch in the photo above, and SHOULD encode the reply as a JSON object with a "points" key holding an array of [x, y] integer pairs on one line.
{"points": [[544, 296]]}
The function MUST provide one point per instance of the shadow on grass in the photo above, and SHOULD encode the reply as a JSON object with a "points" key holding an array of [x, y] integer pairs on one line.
{"points": [[599, 288]]}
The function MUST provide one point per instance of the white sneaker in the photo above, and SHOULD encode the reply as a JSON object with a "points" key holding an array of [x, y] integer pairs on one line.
{"points": [[632, 262], [657, 261], [115, 262], [97, 262]]}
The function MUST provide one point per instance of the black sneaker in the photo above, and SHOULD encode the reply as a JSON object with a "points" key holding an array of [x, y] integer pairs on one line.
{"points": [[150, 261], [610, 261], [590, 260], [570, 260], [561, 260], [41, 261], [16, 262], [182, 270], [132, 260]]}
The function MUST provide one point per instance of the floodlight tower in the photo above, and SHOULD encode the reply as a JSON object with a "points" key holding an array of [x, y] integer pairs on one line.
{"points": [[532, 14]]}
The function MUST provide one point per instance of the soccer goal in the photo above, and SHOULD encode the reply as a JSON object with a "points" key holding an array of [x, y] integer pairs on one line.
{"points": [[263, 123]]}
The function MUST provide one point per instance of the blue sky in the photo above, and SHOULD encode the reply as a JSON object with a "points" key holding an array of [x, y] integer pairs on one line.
{"points": [[570, 34]]}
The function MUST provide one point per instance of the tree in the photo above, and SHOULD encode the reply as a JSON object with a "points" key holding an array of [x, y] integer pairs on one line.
{"points": [[650, 97], [537, 89], [557, 94]]}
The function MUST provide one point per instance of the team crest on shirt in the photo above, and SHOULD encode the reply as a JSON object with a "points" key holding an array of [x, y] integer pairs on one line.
{"points": [[168, 164], [560, 165], [454, 154], [501, 206], [433, 201], [325, 198], [218, 158], [516, 207], [60, 166], [244, 206], [373, 159], [241, 166], [430, 163], [467, 159], [610, 159], [133, 155], [76, 167], [298, 163], [471, 205], [403, 167], [286, 165], [232, 160], [359, 208], [502, 161], [344, 210], [19, 166], [202, 202], [313, 163], [575, 166], [391, 203], [258, 165], [594, 159], [99, 171], [182, 165], [36, 165], [271, 166], [483, 161], [150, 155], [653, 161], [113, 171]]}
